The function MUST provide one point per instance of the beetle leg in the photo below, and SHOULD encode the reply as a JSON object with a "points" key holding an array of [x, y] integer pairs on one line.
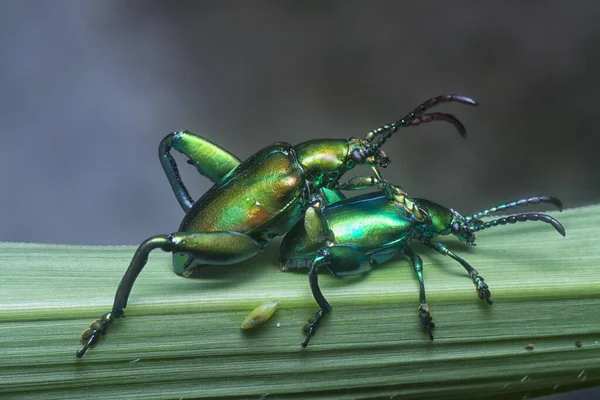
{"points": [[100, 326], [331, 196], [482, 288], [315, 223], [211, 161], [361, 182], [216, 248], [340, 260], [425, 317], [212, 248], [393, 192]]}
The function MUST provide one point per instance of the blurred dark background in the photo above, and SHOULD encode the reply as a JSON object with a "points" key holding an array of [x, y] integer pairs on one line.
{"points": [[89, 88]]}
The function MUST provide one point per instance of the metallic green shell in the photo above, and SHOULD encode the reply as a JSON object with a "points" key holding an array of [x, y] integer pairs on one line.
{"points": [[211, 160], [324, 160], [370, 222], [262, 197]]}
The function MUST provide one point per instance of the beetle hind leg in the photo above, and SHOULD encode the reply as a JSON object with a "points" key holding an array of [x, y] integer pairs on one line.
{"points": [[209, 159], [92, 334], [100, 326], [220, 248]]}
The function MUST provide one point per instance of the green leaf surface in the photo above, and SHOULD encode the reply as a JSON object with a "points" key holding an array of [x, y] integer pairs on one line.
{"points": [[182, 337]]}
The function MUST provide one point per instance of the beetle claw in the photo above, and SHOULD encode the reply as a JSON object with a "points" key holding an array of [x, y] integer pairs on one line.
{"points": [[311, 326], [93, 339], [91, 335], [311, 331]]}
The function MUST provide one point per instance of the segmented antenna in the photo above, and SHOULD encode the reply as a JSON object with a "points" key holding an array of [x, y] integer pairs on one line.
{"points": [[417, 117], [512, 219], [518, 203]]}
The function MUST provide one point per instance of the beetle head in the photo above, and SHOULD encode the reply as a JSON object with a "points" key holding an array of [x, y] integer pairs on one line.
{"points": [[444, 221], [462, 229], [363, 152]]}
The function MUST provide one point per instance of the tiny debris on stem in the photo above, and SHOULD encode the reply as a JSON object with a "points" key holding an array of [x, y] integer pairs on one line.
{"points": [[260, 314]]}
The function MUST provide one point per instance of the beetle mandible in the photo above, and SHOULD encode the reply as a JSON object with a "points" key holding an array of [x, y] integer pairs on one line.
{"points": [[255, 200], [349, 236]]}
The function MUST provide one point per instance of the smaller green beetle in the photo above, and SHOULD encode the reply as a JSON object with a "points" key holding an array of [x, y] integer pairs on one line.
{"points": [[349, 236]]}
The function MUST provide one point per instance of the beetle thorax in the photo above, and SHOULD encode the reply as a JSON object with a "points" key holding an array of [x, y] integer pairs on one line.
{"points": [[324, 161]]}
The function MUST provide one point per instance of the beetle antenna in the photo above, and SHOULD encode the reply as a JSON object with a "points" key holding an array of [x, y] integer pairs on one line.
{"points": [[518, 203], [445, 98], [429, 117], [417, 117], [512, 219]]}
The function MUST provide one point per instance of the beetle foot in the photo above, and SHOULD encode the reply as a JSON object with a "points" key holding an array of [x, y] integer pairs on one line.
{"points": [[426, 320], [482, 288], [311, 326], [92, 334]]}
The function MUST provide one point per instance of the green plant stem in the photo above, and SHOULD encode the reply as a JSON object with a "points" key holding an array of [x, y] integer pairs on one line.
{"points": [[182, 337]]}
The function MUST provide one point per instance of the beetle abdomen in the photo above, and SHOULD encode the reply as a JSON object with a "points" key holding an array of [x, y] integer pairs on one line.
{"points": [[263, 193], [369, 222]]}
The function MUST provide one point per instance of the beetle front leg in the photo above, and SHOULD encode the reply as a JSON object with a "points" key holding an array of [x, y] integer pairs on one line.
{"points": [[331, 196], [482, 288], [393, 192], [211, 248], [315, 223], [340, 260], [209, 159], [425, 317]]}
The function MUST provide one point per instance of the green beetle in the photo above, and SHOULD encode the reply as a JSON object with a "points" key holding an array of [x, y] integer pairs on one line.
{"points": [[255, 200], [351, 235]]}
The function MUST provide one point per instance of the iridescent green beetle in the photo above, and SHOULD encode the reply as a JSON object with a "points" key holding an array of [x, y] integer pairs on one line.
{"points": [[255, 200], [351, 235]]}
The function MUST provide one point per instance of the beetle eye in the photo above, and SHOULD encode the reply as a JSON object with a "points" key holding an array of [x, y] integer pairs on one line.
{"points": [[455, 228], [357, 156]]}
